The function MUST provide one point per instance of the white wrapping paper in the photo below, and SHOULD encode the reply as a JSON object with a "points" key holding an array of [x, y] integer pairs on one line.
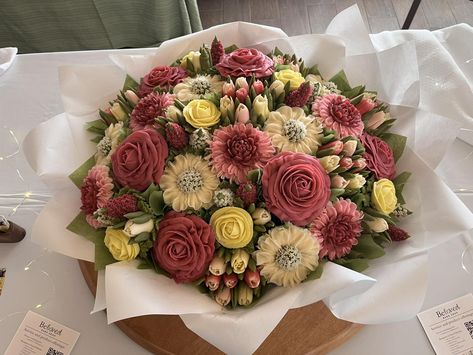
{"points": [[395, 68]]}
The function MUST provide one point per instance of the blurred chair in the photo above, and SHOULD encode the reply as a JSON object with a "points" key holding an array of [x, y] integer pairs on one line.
{"points": [[69, 25]]}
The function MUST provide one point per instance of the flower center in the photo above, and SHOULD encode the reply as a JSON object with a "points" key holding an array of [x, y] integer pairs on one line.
{"points": [[295, 130], [200, 86], [190, 181], [105, 146], [288, 257]]}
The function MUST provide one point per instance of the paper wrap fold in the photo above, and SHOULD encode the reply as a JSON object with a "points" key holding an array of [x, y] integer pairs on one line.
{"points": [[397, 66]]}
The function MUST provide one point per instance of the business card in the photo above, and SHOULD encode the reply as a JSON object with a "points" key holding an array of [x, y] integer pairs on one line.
{"points": [[449, 326], [38, 335]]}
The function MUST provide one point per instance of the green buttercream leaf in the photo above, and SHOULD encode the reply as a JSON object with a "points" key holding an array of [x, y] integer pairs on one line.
{"points": [[130, 84], [396, 142], [77, 177]]}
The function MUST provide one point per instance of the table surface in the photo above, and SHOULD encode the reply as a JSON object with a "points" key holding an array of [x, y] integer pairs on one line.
{"points": [[52, 284]]}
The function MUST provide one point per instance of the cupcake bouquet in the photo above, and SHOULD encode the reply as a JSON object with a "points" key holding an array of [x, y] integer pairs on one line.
{"points": [[237, 171]]}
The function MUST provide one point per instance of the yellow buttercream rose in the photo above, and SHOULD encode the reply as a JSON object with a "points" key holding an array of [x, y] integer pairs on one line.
{"points": [[286, 75], [201, 113], [383, 196], [233, 227], [116, 241]]}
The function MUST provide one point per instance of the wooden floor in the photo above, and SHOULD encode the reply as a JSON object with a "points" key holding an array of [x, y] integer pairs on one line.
{"points": [[313, 16]]}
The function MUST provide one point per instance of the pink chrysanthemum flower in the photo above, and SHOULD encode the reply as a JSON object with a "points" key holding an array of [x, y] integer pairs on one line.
{"points": [[337, 228], [148, 108], [238, 149], [337, 113], [96, 189]]}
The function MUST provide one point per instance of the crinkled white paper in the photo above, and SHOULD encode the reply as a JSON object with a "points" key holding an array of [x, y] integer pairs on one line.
{"points": [[397, 65]]}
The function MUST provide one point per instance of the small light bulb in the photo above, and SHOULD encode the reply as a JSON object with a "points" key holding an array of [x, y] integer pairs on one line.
{"points": [[28, 194]]}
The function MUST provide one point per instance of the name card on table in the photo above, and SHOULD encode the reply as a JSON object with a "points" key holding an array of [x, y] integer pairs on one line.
{"points": [[449, 326], [40, 335]]}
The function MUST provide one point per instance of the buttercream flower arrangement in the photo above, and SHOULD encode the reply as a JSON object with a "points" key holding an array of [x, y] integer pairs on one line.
{"points": [[237, 171]]}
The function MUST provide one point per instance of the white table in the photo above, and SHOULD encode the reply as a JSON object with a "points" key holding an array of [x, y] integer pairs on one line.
{"points": [[29, 94]]}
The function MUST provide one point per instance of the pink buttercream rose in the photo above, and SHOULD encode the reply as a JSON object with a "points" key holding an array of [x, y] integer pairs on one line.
{"points": [[296, 187], [140, 159], [246, 62], [184, 246], [162, 76], [379, 157]]}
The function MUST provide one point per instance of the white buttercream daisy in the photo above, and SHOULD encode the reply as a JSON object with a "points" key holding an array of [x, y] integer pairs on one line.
{"points": [[291, 130], [107, 146], [188, 182], [287, 255], [197, 87]]}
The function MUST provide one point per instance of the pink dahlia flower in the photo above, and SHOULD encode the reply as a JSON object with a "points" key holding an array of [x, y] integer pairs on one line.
{"points": [[148, 108], [237, 149], [337, 228], [96, 189], [337, 113]]}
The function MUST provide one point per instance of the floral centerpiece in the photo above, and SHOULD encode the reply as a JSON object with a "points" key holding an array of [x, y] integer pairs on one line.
{"points": [[238, 171]]}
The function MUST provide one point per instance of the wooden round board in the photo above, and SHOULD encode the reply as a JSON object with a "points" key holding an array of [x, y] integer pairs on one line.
{"points": [[311, 329]]}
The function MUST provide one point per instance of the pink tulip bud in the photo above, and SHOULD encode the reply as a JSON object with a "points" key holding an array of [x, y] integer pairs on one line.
{"points": [[242, 94], [335, 147], [230, 280], [365, 105], [376, 120], [224, 296], [338, 182], [242, 115], [212, 282], [132, 97], [252, 278], [346, 163], [228, 89], [349, 147], [359, 165], [242, 83], [258, 86]]}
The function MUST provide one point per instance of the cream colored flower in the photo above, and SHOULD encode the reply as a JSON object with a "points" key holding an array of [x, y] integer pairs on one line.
{"points": [[107, 146], [287, 255], [196, 88], [321, 87], [291, 130], [188, 182]]}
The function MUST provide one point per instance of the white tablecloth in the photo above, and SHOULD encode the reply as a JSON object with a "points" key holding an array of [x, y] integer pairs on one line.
{"points": [[53, 285]]}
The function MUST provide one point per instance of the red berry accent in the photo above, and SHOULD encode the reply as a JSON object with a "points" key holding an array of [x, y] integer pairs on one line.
{"points": [[216, 51], [397, 234], [247, 192], [176, 136], [300, 96], [119, 206]]}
